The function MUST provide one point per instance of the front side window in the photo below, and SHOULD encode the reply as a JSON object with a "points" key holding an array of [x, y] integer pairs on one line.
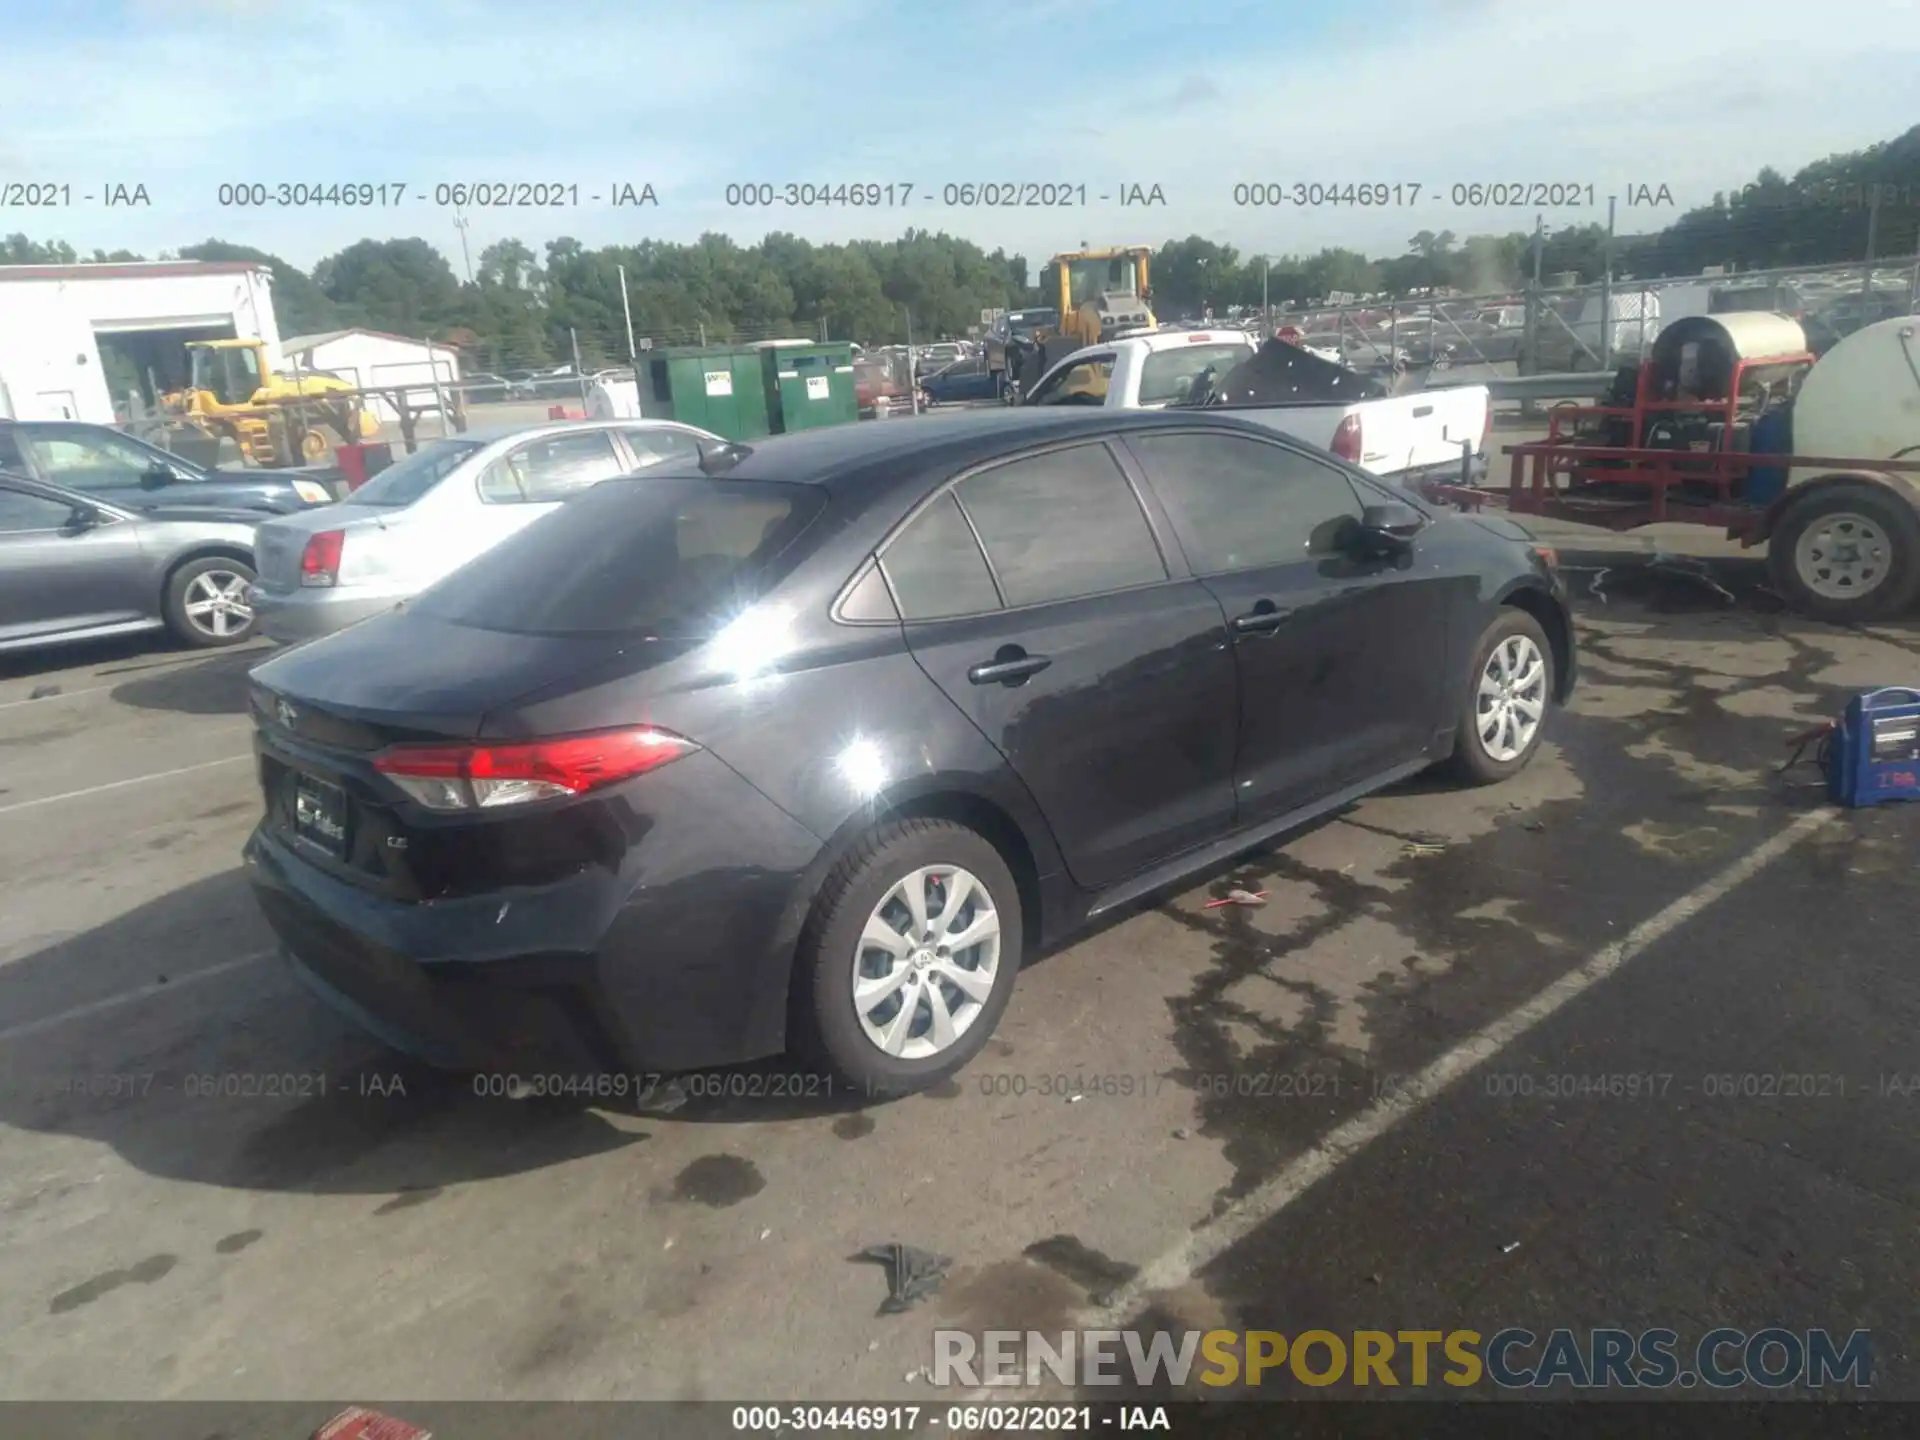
{"points": [[1082, 383]]}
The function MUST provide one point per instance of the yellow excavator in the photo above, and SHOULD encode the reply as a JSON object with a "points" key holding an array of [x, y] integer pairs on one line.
{"points": [[1100, 294], [1103, 294], [277, 420]]}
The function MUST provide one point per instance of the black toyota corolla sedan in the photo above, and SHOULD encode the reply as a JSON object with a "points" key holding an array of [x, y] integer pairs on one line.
{"points": [[804, 749]]}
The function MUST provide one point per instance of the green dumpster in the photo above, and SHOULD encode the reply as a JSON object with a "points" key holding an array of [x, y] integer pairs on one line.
{"points": [[808, 385], [717, 388]]}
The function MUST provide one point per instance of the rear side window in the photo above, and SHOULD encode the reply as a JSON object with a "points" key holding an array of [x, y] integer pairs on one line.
{"points": [[411, 477], [1238, 503], [1062, 525], [554, 467], [935, 567], [1169, 374], [662, 556]]}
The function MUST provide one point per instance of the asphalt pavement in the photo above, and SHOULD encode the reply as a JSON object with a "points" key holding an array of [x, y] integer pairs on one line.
{"points": [[1357, 1106]]}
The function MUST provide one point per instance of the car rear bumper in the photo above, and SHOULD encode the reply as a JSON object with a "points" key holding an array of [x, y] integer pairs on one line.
{"points": [[310, 614], [675, 959]]}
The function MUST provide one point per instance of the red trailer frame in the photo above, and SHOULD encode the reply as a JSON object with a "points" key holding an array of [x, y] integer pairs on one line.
{"points": [[1563, 478]]}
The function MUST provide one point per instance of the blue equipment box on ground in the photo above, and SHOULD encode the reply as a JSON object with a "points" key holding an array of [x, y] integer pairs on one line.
{"points": [[1874, 753]]}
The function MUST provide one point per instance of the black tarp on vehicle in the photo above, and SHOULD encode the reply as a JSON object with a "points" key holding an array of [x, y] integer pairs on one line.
{"points": [[1282, 374]]}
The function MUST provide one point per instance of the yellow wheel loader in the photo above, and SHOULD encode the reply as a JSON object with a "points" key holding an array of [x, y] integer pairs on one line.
{"points": [[276, 420]]}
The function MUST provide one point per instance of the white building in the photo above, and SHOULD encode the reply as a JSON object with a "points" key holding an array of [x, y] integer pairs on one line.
{"points": [[76, 339], [366, 358]]}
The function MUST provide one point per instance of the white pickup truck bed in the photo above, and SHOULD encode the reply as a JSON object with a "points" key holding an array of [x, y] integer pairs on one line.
{"points": [[1406, 437]]}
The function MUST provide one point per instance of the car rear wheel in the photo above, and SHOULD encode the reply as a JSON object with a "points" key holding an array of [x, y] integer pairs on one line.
{"points": [[909, 959], [1508, 691], [206, 602]]}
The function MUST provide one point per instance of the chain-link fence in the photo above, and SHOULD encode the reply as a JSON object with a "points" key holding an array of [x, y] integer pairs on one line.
{"points": [[1597, 327]]}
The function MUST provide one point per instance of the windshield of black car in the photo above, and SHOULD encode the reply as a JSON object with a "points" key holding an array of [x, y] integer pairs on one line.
{"points": [[407, 479], [673, 557]]}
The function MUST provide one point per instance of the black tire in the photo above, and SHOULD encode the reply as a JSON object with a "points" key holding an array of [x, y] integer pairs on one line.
{"points": [[189, 629], [1470, 761], [827, 1032], [1896, 520]]}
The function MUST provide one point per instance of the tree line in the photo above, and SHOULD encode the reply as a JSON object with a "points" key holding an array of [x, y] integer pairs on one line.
{"points": [[522, 308]]}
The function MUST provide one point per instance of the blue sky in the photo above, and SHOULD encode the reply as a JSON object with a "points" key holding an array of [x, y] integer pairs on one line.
{"points": [[183, 95]]}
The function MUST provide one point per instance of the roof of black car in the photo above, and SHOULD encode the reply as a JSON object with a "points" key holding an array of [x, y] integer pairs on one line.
{"points": [[839, 453]]}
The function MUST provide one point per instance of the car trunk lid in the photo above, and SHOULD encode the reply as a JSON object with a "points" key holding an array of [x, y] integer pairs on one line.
{"points": [[280, 542]]}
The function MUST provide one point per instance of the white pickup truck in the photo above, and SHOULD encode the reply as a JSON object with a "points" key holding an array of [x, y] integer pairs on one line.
{"points": [[1406, 437]]}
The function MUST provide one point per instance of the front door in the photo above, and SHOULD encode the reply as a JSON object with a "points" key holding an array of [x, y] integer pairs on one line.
{"points": [[1342, 660], [56, 575], [1107, 686]]}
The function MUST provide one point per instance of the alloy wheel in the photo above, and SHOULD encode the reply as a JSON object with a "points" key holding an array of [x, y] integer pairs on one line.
{"points": [[926, 962], [216, 603], [1511, 698]]}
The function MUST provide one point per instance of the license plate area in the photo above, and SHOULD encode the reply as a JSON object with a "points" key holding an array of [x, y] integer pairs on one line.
{"points": [[318, 811]]}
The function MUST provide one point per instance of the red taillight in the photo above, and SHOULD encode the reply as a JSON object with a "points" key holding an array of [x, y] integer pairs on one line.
{"points": [[469, 777], [1346, 440], [320, 561]]}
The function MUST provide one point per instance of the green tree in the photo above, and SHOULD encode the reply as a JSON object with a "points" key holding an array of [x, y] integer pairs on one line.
{"points": [[405, 286]]}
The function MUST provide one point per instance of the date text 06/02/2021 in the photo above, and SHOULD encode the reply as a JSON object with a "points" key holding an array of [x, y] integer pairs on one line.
{"points": [[456, 195], [952, 195], [1460, 195]]}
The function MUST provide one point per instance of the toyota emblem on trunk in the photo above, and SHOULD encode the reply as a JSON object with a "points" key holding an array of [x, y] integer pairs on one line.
{"points": [[286, 713]]}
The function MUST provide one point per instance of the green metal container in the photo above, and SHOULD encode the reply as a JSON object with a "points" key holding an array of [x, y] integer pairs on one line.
{"points": [[808, 385], [718, 388]]}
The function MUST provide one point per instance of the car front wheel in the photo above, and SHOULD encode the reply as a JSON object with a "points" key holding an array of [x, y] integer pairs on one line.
{"points": [[206, 602], [909, 959], [1505, 707]]}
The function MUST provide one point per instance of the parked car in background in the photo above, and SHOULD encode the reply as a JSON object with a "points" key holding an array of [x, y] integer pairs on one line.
{"points": [[810, 754], [483, 387], [929, 358], [434, 510], [76, 566], [102, 461], [1015, 326], [959, 383]]}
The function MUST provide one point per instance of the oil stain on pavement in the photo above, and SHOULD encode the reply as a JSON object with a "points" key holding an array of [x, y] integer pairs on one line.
{"points": [[719, 1181], [88, 1291]]}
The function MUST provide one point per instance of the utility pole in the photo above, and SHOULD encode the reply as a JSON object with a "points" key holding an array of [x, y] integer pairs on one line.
{"points": [[913, 379], [1606, 296], [1535, 301], [1873, 236], [460, 224]]}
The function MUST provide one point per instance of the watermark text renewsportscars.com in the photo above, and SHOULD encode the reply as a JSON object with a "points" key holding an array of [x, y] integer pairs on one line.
{"points": [[1771, 1358]]}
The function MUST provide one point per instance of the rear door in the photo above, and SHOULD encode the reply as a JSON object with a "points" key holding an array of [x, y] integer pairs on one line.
{"points": [[1342, 662], [55, 576], [1036, 595]]}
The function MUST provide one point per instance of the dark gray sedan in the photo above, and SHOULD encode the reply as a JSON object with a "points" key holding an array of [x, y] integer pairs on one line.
{"points": [[74, 567]]}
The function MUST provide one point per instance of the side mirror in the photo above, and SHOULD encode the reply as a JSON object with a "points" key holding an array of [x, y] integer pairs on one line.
{"points": [[157, 477], [1390, 527], [83, 518]]}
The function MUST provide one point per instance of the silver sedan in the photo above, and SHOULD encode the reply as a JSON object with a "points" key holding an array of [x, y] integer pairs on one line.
{"points": [[434, 510]]}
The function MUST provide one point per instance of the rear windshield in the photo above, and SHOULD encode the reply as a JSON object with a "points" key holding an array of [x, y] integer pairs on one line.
{"points": [[407, 479], [656, 555]]}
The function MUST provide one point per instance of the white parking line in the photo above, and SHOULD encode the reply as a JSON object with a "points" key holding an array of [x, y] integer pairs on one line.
{"points": [[129, 997], [1202, 1245], [120, 784], [59, 695]]}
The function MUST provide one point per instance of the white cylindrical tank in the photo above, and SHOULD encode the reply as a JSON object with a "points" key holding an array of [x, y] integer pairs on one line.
{"points": [[1863, 397], [614, 400]]}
